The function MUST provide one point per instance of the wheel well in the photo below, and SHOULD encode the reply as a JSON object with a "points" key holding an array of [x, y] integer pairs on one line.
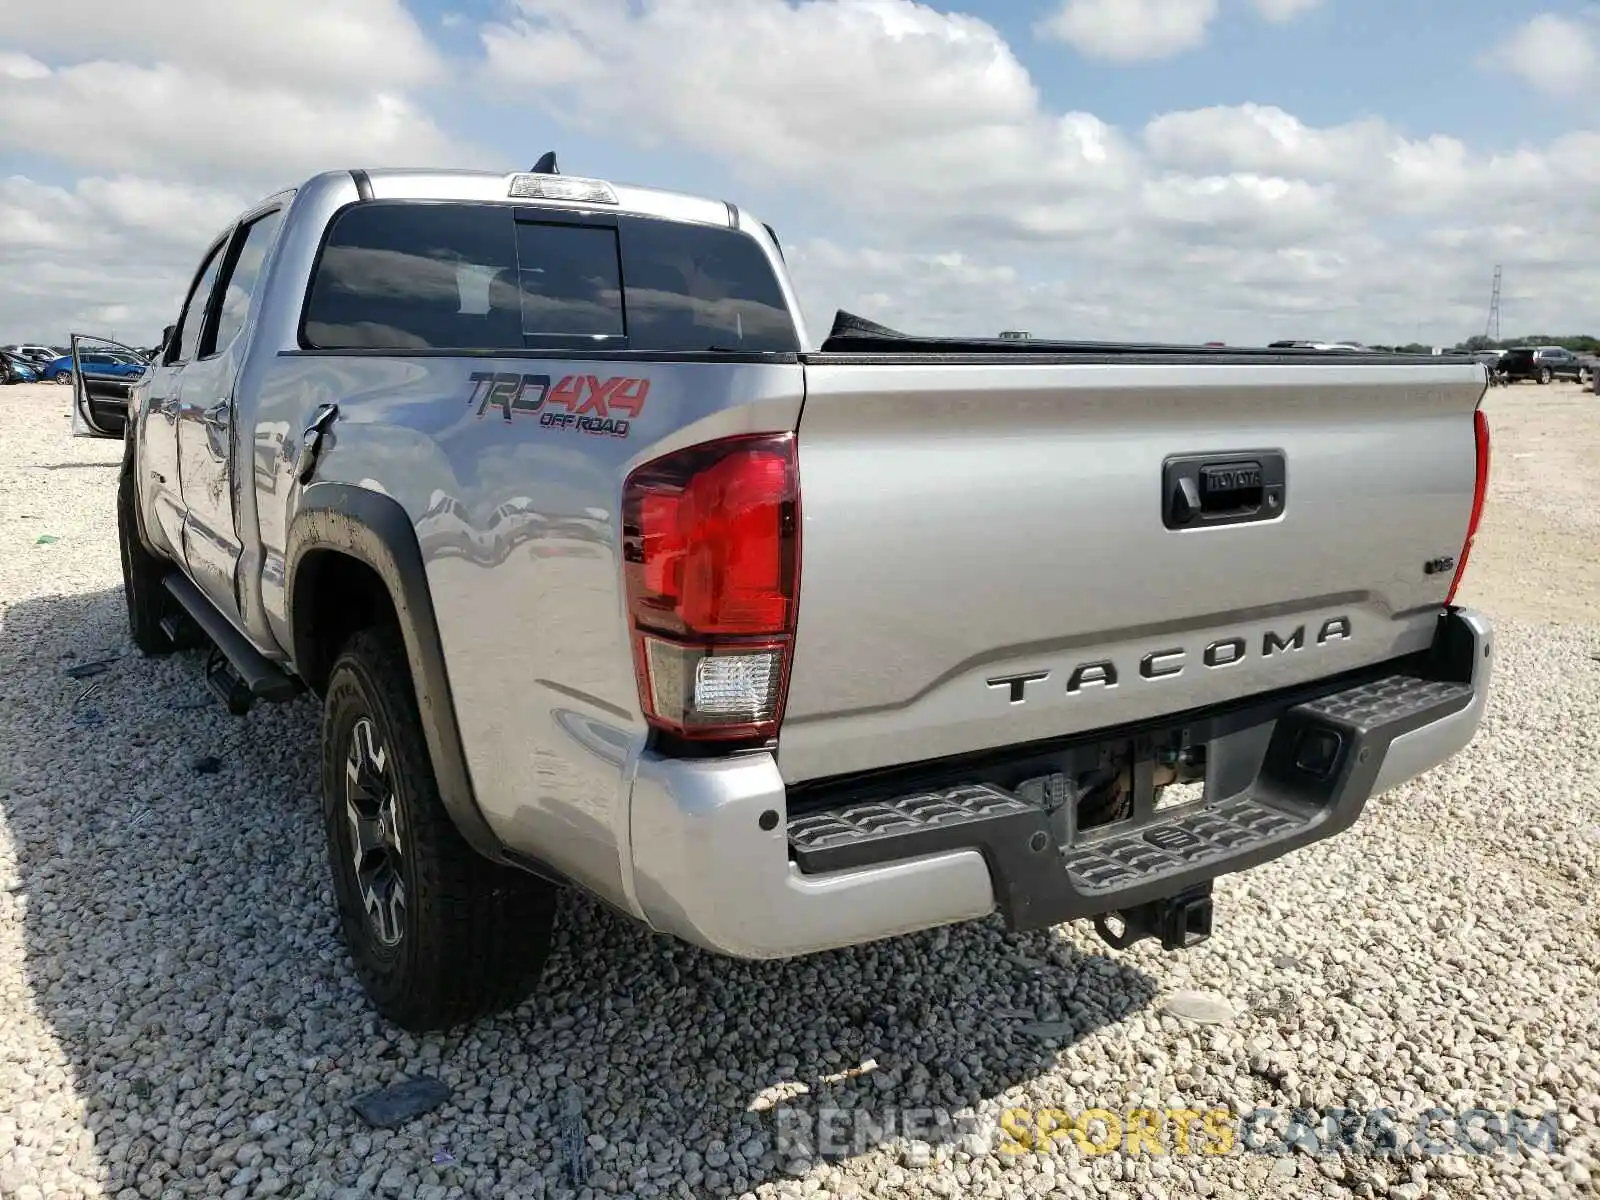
{"points": [[335, 597]]}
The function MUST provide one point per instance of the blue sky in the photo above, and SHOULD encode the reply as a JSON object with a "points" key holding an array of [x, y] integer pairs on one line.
{"points": [[1414, 62], [1339, 62], [1187, 169]]}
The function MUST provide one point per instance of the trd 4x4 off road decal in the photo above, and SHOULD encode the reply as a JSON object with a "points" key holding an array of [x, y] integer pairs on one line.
{"points": [[590, 403]]}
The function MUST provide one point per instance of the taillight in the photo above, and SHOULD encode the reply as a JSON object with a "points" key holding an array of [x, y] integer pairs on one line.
{"points": [[711, 552], [1479, 489]]}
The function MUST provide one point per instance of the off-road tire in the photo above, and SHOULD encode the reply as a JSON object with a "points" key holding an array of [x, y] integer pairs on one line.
{"points": [[474, 934], [147, 600]]}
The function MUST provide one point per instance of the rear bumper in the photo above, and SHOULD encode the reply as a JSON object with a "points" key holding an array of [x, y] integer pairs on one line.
{"points": [[719, 861]]}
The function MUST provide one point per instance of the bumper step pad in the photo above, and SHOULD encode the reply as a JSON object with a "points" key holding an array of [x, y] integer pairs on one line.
{"points": [[1316, 776], [1166, 847], [876, 831]]}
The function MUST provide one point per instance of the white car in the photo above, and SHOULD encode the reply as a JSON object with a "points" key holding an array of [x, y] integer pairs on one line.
{"points": [[39, 354]]}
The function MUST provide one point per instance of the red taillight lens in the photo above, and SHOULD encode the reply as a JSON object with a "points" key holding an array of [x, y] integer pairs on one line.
{"points": [[711, 548], [1479, 490]]}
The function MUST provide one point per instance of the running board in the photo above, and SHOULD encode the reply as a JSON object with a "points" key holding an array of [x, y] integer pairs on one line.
{"points": [[258, 675]]}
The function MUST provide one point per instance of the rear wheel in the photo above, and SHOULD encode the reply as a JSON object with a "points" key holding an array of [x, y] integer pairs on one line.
{"points": [[1544, 374], [439, 935]]}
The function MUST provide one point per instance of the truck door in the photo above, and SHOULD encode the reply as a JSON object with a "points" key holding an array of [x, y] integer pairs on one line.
{"points": [[159, 488], [206, 430], [105, 387]]}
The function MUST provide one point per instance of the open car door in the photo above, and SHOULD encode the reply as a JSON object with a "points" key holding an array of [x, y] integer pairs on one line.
{"points": [[104, 376]]}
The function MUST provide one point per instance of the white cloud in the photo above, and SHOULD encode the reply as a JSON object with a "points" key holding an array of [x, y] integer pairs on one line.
{"points": [[1223, 221], [357, 43], [196, 108], [1130, 30], [227, 90], [109, 255], [1553, 53], [1375, 169], [906, 111], [933, 185], [1284, 10], [125, 117]]}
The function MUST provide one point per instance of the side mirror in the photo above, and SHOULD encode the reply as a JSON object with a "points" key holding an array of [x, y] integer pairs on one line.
{"points": [[166, 340]]}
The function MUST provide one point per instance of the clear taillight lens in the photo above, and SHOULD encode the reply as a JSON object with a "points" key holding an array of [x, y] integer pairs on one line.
{"points": [[711, 547]]}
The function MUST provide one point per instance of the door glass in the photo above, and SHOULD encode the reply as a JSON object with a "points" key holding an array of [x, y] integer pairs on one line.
{"points": [[191, 324], [241, 283]]}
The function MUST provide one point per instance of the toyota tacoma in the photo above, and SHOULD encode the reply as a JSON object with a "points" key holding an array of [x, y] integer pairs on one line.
{"points": [[608, 576]]}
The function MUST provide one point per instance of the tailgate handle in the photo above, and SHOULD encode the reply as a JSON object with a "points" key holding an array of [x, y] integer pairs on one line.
{"points": [[1231, 487], [1204, 490]]}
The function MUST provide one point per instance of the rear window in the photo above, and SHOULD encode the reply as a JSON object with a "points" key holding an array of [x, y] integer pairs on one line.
{"points": [[416, 275]]}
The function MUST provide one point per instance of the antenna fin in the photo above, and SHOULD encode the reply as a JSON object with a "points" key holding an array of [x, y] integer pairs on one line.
{"points": [[546, 164]]}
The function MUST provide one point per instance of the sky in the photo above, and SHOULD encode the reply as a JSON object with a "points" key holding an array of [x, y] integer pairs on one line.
{"points": [[1174, 170]]}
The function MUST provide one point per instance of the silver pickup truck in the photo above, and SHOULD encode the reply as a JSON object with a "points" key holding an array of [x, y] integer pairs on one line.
{"points": [[607, 576]]}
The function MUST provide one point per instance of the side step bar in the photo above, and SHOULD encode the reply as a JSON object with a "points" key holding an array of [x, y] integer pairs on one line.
{"points": [[258, 677]]}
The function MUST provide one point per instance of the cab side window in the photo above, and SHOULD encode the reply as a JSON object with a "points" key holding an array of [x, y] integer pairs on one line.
{"points": [[246, 260], [192, 323]]}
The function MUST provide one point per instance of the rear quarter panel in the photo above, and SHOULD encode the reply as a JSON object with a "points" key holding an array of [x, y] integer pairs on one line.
{"points": [[519, 526]]}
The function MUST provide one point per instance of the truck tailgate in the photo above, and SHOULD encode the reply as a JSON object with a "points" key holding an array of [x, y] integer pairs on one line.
{"points": [[986, 558]]}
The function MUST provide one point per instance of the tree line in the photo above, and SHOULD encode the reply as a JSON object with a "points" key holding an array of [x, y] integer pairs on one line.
{"points": [[1578, 344]]}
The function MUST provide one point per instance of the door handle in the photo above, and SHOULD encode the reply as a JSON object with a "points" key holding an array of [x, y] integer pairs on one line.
{"points": [[1206, 490], [216, 422], [311, 440]]}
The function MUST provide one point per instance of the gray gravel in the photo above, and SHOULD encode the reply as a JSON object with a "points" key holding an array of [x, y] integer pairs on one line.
{"points": [[180, 1019]]}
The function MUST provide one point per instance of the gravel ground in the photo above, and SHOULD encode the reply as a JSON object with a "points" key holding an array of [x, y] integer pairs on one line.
{"points": [[180, 1019]]}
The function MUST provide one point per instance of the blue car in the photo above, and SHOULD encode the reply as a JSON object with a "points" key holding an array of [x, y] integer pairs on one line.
{"points": [[97, 365], [16, 369]]}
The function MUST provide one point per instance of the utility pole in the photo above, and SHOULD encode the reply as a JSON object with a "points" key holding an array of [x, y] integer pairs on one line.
{"points": [[1491, 327]]}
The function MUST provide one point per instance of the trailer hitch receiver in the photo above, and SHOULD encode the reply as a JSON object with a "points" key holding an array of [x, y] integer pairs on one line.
{"points": [[1179, 921]]}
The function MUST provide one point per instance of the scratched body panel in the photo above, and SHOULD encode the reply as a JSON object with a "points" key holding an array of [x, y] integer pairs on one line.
{"points": [[512, 473]]}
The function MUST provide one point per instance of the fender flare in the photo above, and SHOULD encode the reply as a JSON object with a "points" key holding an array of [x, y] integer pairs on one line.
{"points": [[376, 530]]}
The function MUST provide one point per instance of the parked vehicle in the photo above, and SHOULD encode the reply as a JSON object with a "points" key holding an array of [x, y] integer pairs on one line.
{"points": [[102, 364], [32, 354], [16, 369], [1539, 363], [823, 651]]}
